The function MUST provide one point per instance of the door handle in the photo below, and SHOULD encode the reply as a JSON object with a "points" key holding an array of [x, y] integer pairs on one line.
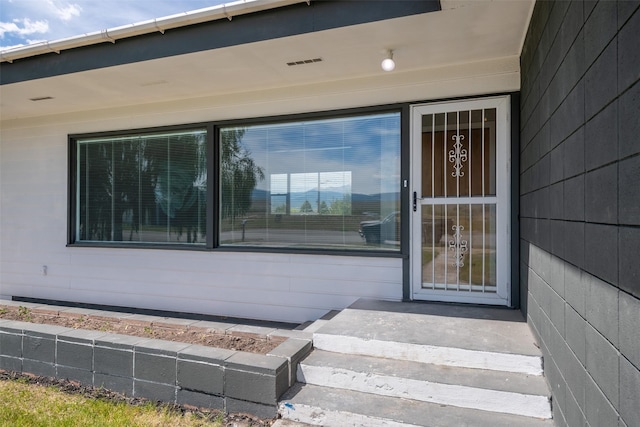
{"points": [[415, 201]]}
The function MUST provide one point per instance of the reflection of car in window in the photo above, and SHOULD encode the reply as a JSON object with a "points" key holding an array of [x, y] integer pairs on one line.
{"points": [[386, 230]]}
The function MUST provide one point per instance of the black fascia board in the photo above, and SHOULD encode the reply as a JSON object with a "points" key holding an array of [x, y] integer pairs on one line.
{"points": [[266, 25]]}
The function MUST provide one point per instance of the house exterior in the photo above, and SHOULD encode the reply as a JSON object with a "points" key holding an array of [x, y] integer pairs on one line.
{"points": [[254, 160]]}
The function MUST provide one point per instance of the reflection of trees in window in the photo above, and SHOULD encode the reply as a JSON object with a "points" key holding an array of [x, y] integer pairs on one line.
{"points": [[306, 207], [279, 209], [151, 184], [335, 188], [153, 187], [341, 206], [180, 185], [239, 174]]}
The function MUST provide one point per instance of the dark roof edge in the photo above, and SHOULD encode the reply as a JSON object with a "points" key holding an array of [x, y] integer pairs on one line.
{"points": [[276, 19], [222, 11]]}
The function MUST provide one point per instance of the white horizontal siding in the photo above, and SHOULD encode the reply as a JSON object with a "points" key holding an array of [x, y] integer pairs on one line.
{"points": [[33, 229], [282, 287], [283, 294]]}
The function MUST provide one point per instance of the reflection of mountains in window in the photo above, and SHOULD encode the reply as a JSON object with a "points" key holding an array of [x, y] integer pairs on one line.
{"points": [[324, 193]]}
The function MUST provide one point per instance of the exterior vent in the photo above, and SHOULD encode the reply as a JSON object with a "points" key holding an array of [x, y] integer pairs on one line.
{"points": [[304, 61], [154, 83]]}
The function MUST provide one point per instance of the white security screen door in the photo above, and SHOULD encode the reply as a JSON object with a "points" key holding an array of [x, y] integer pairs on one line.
{"points": [[460, 211]]}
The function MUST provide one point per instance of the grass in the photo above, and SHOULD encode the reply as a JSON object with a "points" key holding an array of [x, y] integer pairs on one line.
{"points": [[428, 255], [32, 405], [476, 269]]}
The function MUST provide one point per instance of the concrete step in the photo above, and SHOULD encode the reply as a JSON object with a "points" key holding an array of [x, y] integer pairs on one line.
{"points": [[337, 407], [504, 392], [317, 324], [471, 337]]}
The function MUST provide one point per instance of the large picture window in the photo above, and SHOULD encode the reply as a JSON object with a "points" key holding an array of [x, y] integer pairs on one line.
{"points": [[147, 188], [331, 183], [307, 184]]}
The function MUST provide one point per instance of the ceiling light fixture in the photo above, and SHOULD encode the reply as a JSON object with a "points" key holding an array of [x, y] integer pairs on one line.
{"points": [[388, 64]]}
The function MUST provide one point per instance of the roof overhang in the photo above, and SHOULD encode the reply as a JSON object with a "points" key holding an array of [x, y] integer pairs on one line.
{"points": [[111, 35], [252, 52]]}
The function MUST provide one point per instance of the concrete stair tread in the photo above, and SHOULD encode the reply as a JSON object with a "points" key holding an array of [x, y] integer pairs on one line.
{"points": [[468, 377], [330, 407], [473, 328], [426, 353]]}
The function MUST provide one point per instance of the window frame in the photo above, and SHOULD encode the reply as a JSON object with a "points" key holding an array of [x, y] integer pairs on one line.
{"points": [[73, 164], [212, 240]]}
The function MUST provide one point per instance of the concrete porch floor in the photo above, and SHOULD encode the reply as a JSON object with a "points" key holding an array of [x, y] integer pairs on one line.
{"points": [[447, 325]]}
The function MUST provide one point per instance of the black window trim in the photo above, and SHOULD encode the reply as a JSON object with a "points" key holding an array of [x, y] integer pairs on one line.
{"points": [[213, 179], [72, 184]]}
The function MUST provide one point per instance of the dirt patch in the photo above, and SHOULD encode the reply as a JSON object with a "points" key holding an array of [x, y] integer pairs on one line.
{"points": [[229, 420], [158, 330]]}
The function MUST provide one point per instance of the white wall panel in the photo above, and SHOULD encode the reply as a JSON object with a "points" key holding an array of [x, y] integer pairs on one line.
{"points": [[285, 287]]}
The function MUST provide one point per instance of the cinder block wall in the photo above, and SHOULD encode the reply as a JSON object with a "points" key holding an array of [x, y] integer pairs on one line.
{"points": [[232, 381], [580, 205]]}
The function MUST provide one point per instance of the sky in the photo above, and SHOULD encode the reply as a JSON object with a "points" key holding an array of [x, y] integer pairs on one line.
{"points": [[23, 22]]}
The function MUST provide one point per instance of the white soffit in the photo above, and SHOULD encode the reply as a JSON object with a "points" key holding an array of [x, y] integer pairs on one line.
{"points": [[463, 32]]}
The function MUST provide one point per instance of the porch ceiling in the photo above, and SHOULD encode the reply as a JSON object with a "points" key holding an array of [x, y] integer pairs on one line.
{"points": [[464, 31]]}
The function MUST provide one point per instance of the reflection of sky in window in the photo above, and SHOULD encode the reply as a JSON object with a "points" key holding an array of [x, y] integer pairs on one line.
{"points": [[279, 183], [303, 182], [367, 146], [336, 181]]}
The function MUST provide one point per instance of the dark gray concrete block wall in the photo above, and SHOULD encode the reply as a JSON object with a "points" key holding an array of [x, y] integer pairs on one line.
{"points": [[580, 198]]}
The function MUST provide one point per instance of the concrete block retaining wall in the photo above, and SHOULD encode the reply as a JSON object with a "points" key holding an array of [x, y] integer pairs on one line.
{"points": [[158, 370]]}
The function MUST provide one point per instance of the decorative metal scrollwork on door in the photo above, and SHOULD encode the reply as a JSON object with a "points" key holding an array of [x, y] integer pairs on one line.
{"points": [[458, 246], [457, 156]]}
